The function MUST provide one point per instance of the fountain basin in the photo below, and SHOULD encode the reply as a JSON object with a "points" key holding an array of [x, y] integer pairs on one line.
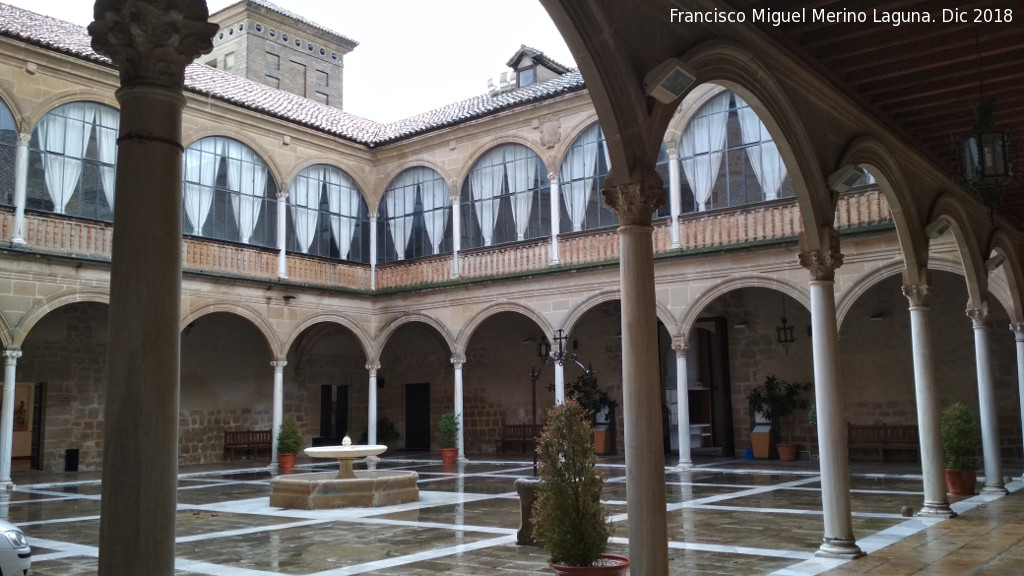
{"points": [[326, 490]]}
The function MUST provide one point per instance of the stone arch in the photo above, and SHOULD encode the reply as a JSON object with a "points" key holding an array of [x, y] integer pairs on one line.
{"points": [[466, 334], [744, 73], [478, 151], [574, 132], [861, 286], [948, 214], [694, 100], [413, 318], [79, 94], [693, 310], [577, 311], [14, 107], [871, 154], [255, 318], [389, 177], [273, 170], [1003, 245], [24, 327], [297, 169], [365, 341]]}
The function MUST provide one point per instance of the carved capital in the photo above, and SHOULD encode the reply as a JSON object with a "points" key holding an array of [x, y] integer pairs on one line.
{"points": [[672, 149], [373, 367], [458, 359], [11, 356], [282, 193], [822, 264], [1018, 330], [24, 139], [679, 345], [553, 178], [979, 316], [917, 294], [152, 41], [278, 365], [634, 202]]}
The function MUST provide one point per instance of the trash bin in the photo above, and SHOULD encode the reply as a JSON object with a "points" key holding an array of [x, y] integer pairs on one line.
{"points": [[761, 440], [602, 439], [71, 460]]}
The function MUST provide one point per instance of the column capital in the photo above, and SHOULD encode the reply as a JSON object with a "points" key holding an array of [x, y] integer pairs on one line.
{"points": [[373, 218], [822, 264], [373, 367], [979, 316], [11, 355], [634, 202], [454, 191], [24, 138], [282, 193], [672, 149], [458, 359], [1018, 330], [278, 365], [679, 345], [918, 295], [553, 178], [152, 41]]}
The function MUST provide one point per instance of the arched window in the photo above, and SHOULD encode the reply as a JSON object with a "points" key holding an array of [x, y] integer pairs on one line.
{"points": [[227, 194], [8, 154], [72, 155], [414, 216], [327, 215], [727, 158], [505, 198], [580, 180]]}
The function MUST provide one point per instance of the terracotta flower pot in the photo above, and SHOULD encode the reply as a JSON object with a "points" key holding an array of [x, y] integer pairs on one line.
{"points": [[286, 462], [961, 482], [449, 456], [609, 565], [787, 452]]}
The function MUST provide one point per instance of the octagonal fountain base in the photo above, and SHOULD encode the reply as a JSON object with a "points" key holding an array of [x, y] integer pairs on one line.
{"points": [[325, 490]]}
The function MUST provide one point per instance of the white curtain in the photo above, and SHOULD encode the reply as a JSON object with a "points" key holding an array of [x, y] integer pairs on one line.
{"points": [[436, 200], [305, 201], [700, 148], [64, 135], [343, 202], [522, 171], [247, 178], [576, 178], [485, 189], [201, 161], [764, 157], [400, 201], [108, 122]]}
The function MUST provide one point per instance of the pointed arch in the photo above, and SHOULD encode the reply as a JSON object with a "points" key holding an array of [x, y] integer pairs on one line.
{"points": [[948, 214]]}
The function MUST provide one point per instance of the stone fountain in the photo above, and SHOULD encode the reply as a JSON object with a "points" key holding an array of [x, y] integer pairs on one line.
{"points": [[348, 488]]}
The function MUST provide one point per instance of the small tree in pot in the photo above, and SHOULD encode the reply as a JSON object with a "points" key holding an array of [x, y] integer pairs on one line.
{"points": [[777, 400], [447, 437], [568, 517], [960, 441], [289, 442]]}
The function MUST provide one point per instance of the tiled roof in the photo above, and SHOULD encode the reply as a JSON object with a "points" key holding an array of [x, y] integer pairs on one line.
{"points": [[288, 14], [71, 39], [538, 57]]}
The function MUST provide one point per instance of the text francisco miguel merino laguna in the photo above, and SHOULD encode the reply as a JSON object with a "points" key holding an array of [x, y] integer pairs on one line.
{"points": [[890, 17]]}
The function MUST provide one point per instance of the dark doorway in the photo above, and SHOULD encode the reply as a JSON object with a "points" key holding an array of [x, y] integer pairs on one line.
{"points": [[711, 394], [341, 413], [38, 415], [417, 416], [333, 413]]}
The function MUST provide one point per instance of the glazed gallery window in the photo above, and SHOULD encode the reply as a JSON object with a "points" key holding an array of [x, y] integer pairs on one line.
{"points": [[414, 216], [327, 215], [227, 195], [72, 157], [505, 198], [580, 180], [8, 152], [727, 158]]}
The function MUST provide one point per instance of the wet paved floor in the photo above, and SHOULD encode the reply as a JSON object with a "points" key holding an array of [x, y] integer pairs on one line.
{"points": [[724, 517]]}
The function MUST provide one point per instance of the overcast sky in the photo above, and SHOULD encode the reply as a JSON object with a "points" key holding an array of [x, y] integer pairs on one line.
{"points": [[413, 55]]}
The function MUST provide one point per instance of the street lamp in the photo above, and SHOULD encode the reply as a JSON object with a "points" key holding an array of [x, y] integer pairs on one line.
{"points": [[547, 355]]}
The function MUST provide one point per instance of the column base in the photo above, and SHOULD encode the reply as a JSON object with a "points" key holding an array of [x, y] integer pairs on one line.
{"points": [[674, 246], [274, 469], [994, 490], [463, 460], [371, 462], [684, 466], [17, 240], [839, 548], [7, 486], [936, 510], [554, 262]]}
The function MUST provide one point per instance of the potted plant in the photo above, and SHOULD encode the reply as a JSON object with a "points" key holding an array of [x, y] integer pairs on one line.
{"points": [[960, 441], [777, 400], [289, 442], [447, 437], [568, 517]]}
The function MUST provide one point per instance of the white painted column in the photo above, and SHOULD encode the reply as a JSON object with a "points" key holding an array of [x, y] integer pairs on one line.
{"points": [[278, 412], [641, 378], [458, 359], [373, 251], [371, 409], [936, 503], [282, 236], [1018, 332], [20, 186], [11, 356], [682, 405], [556, 210], [838, 541], [559, 383], [674, 190], [138, 508], [987, 403], [456, 234]]}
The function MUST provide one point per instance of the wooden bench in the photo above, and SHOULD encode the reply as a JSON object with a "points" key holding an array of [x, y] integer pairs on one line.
{"points": [[250, 441], [518, 438], [883, 441]]}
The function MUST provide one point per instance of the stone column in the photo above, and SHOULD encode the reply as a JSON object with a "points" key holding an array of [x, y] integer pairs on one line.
{"points": [[458, 359], [20, 185], [987, 403], [282, 238], [674, 190], [151, 42], [11, 356], [278, 366], [1018, 332], [456, 230], [371, 409], [682, 404], [838, 541], [641, 379], [373, 251], [559, 382], [556, 211], [936, 504]]}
